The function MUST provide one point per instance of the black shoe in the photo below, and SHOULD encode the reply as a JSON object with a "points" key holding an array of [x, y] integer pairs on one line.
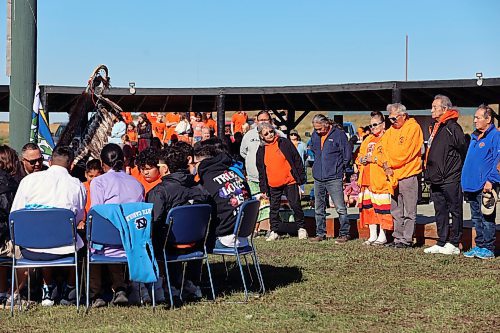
{"points": [[120, 298], [391, 245], [69, 296], [98, 303], [402, 246]]}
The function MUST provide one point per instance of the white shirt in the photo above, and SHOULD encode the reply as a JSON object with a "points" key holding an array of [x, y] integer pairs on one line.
{"points": [[52, 188]]}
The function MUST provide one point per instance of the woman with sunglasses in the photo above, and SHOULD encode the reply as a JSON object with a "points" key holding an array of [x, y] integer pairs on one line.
{"points": [[376, 188], [281, 171]]}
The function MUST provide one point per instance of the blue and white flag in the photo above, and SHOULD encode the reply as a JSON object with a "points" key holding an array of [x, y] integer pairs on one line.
{"points": [[40, 131]]}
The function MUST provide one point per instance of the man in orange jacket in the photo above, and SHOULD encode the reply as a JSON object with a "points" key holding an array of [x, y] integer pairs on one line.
{"points": [[401, 157]]}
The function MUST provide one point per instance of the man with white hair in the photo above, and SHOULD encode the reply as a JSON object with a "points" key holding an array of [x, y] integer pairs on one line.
{"points": [[446, 149], [402, 158]]}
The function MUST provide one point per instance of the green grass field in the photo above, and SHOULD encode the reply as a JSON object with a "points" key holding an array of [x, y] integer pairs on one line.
{"points": [[314, 287]]}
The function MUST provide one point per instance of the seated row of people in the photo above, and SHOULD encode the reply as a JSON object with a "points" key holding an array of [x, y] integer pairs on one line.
{"points": [[205, 174]]}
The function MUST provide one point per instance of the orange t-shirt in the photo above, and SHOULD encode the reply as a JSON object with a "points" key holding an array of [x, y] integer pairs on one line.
{"points": [[159, 130], [171, 118], [278, 169], [152, 116], [88, 203], [238, 120], [132, 135], [127, 117], [212, 124]]}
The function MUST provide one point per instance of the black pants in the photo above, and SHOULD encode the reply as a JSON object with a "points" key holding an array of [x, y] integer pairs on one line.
{"points": [[448, 199], [293, 196]]}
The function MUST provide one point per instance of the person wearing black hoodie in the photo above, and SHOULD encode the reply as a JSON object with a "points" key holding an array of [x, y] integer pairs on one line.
{"points": [[10, 175], [281, 171], [177, 188], [446, 150], [223, 179]]}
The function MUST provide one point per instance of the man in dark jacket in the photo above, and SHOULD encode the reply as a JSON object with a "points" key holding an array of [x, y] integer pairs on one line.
{"points": [[177, 188], [445, 157], [332, 154], [224, 180], [280, 171]]}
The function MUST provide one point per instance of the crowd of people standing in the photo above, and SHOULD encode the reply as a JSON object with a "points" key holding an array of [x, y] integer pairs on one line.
{"points": [[170, 160]]}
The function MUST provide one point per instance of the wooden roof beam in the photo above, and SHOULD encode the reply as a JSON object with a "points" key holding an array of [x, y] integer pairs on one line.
{"points": [[288, 101], [366, 106], [336, 101], [301, 117], [164, 106], [311, 100], [138, 107]]}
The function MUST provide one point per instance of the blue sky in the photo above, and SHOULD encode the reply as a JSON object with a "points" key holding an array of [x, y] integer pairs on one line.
{"points": [[262, 43]]}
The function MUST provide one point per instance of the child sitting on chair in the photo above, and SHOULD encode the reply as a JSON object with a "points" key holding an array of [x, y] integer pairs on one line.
{"points": [[351, 191]]}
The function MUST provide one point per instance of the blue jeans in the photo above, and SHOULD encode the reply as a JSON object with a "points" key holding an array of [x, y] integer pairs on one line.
{"points": [[485, 225], [334, 187]]}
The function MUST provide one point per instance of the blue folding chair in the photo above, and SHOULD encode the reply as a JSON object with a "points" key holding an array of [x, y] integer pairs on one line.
{"points": [[245, 226], [43, 229], [186, 225], [103, 232]]}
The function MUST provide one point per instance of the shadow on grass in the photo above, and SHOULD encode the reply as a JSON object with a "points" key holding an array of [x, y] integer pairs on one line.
{"points": [[274, 277]]}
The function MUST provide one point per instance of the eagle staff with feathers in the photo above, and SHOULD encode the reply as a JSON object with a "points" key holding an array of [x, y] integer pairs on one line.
{"points": [[95, 134]]}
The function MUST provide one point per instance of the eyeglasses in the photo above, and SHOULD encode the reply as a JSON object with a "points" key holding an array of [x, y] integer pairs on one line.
{"points": [[161, 164], [266, 119], [375, 125], [394, 119], [35, 161]]}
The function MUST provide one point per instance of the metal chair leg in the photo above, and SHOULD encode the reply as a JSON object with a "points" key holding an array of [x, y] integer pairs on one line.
{"points": [[225, 266], [259, 272], [153, 295], [210, 278], [12, 295], [87, 289], [242, 276], [77, 286], [167, 275], [248, 269]]}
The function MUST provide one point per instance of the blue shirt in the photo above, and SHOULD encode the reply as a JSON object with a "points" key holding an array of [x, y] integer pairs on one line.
{"points": [[481, 161]]}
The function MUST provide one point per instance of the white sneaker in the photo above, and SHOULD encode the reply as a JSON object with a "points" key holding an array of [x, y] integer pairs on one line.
{"points": [[449, 248], [191, 290], [272, 237], [302, 233], [433, 249], [16, 299]]}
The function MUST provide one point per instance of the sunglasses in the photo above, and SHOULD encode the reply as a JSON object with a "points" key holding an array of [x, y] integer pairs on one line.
{"points": [[375, 125], [394, 119], [35, 161]]}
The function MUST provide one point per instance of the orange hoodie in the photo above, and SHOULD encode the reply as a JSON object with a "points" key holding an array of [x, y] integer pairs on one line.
{"points": [[401, 149], [379, 182]]}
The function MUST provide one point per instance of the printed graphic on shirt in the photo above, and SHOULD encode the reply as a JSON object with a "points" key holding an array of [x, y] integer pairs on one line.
{"points": [[369, 149], [139, 218], [233, 188]]}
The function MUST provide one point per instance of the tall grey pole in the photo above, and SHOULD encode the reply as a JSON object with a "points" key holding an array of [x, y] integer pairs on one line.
{"points": [[221, 118], [23, 70]]}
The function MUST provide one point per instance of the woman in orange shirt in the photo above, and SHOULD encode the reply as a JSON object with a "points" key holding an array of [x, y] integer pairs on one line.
{"points": [[159, 128], [131, 132], [376, 188], [210, 122]]}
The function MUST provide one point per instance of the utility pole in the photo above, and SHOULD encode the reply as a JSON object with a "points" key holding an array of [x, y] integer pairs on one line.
{"points": [[23, 70], [406, 67]]}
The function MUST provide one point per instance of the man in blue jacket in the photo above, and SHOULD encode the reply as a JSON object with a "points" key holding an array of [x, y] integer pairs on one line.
{"points": [[480, 175], [332, 155]]}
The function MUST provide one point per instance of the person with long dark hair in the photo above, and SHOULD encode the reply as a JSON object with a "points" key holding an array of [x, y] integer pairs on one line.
{"points": [[144, 132], [10, 175], [115, 186]]}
